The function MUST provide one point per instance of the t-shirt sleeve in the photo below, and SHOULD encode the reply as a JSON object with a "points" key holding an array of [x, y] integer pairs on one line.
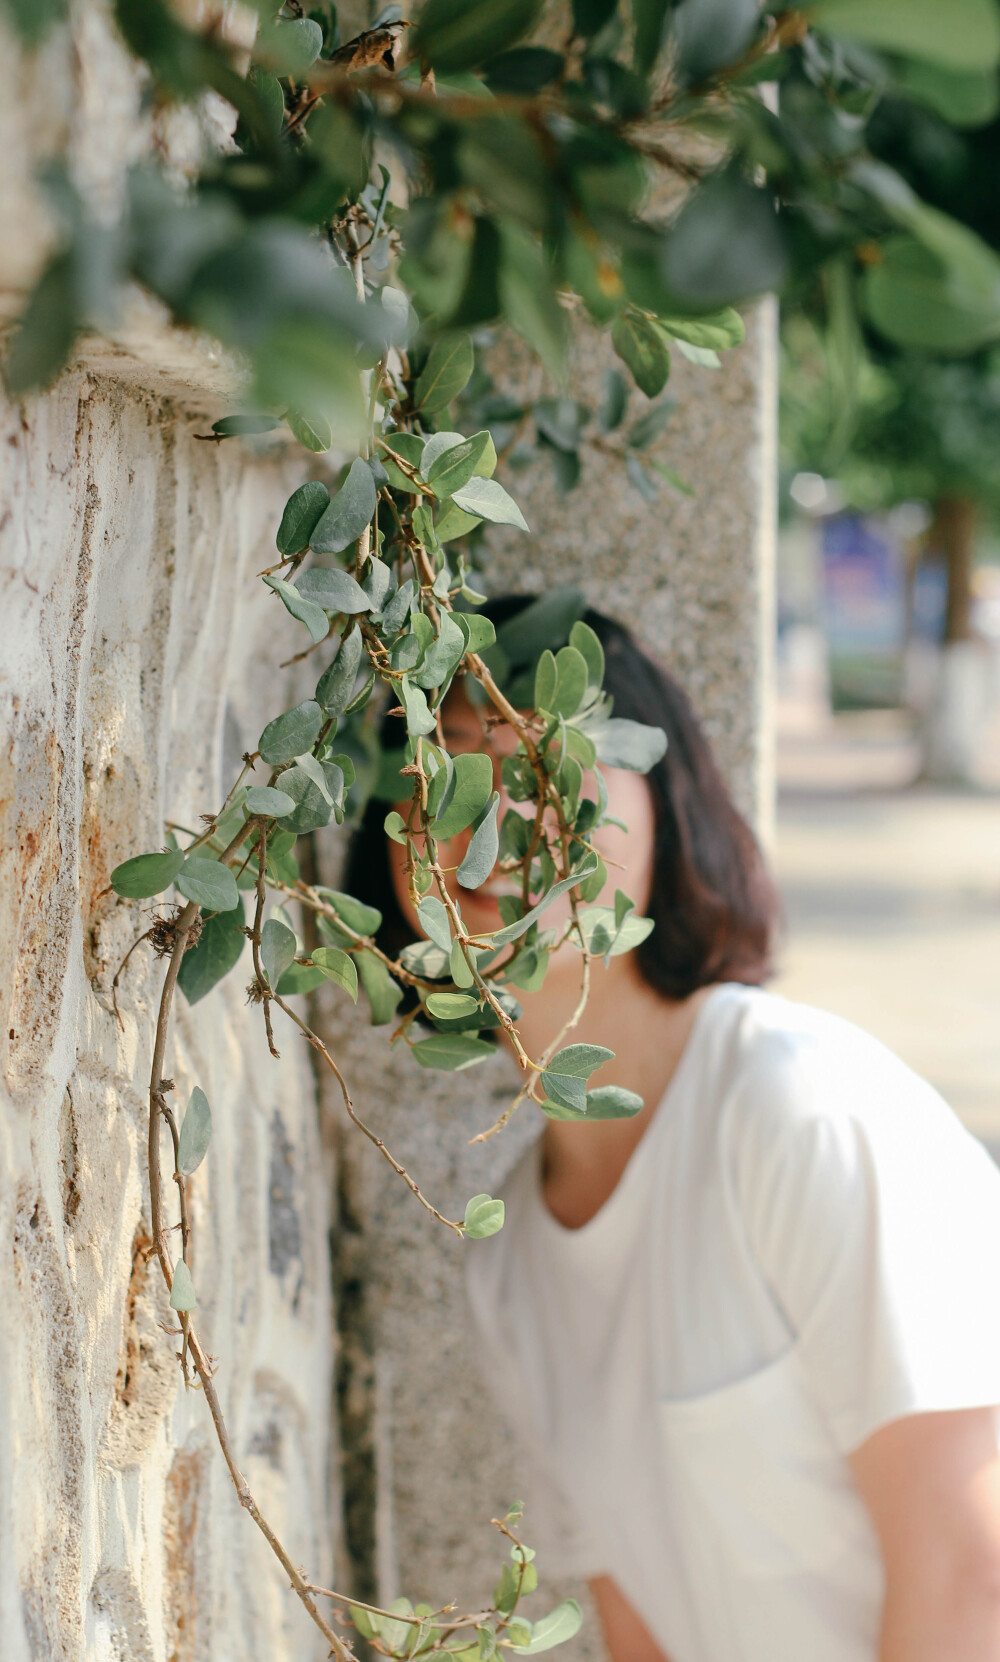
{"points": [[875, 1219]]}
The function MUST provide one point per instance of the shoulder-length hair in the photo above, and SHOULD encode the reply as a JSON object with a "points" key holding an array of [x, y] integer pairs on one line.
{"points": [[712, 901]]}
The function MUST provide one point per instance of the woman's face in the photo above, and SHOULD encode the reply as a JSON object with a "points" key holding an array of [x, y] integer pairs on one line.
{"points": [[628, 854]]}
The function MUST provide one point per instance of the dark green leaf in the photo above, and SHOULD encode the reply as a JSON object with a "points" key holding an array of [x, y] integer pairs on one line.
{"points": [[483, 1216], [561, 421], [313, 808], [301, 608], [299, 978], [965, 98], [216, 952], [196, 1133], [640, 344], [146, 874], [458, 34], [291, 734], [45, 332], [303, 512], [650, 19], [605, 938], [710, 34], [382, 992], [451, 1051], [277, 949], [481, 855], [526, 69], [211, 885], [529, 297], [419, 720], [348, 514], [443, 655], [449, 470], [727, 244], [650, 424], [235, 426], [334, 590], [546, 678], [590, 16], [473, 785], [451, 362], [613, 402], [336, 684]]}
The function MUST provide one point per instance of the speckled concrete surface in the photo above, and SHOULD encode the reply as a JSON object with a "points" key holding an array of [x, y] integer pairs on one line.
{"points": [[694, 576]]}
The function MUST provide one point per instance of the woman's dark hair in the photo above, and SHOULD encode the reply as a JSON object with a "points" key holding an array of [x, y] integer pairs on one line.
{"points": [[712, 901]]}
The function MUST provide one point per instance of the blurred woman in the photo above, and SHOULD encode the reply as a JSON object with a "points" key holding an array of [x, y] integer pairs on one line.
{"points": [[752, 1333]]}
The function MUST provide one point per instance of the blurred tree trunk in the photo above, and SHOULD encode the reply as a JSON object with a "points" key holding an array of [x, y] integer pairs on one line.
{"points": [[957, 711]]}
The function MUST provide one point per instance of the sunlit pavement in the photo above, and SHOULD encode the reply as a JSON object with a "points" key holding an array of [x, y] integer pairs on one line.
{"points": [[892, 902]]}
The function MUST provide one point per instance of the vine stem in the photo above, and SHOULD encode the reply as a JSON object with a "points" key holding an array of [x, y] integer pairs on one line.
{"points": [[203, 1366], [547, 1055], [354, 1117]]}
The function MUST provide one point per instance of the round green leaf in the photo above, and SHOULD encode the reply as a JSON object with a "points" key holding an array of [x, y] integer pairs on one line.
{"points": [[210, 884], [216, 951], [483, 1216], [146, 874], [336, 684], [382, 992], [236, 426], [313, 431], [267, 799], [451, 1052], [449, 1005]]}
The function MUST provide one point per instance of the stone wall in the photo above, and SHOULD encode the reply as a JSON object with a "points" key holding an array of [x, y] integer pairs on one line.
{"points": [[133, 642]]}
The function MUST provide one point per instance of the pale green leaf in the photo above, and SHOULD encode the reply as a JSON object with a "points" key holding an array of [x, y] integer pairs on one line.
{"points": [[196, 1133]]}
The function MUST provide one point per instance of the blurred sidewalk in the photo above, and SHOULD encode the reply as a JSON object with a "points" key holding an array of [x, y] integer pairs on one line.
{"points": [[892, 899]]}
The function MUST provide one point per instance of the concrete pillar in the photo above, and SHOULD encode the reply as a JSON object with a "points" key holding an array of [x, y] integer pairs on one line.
{"points": [[694, 575]]}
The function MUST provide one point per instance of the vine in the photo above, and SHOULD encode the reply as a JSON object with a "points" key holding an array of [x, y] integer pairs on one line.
{"points": [[372, 225]]}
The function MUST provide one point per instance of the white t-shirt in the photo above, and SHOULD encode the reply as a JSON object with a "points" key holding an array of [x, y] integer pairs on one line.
{"points": [[804, 1246]]}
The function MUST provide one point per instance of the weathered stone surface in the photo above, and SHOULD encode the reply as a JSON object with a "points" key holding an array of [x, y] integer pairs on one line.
{"points": [[137, 664], [694, 576]]}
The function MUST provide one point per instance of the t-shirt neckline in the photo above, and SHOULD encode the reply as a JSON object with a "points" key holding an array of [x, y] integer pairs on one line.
{"points": [[605, 1218]]}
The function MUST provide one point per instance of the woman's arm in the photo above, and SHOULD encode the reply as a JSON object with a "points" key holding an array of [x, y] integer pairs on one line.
{"points": [[626, 1635], [932, 1485]]}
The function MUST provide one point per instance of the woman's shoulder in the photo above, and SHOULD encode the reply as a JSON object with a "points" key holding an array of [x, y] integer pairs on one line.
{"points": [[780, 1066]]}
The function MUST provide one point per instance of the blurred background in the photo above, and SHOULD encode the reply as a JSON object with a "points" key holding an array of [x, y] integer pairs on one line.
{"points": [[888, 840]]}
